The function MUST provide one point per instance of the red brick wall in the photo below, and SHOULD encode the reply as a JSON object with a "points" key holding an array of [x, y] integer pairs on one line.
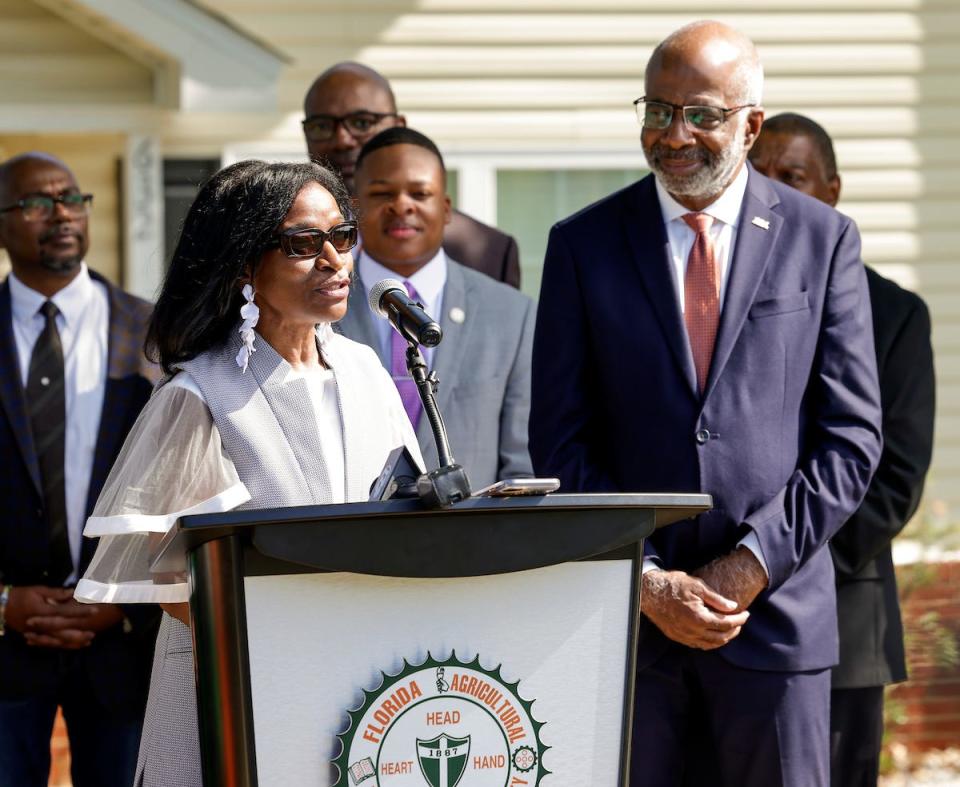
{"points": [[924, 712]]}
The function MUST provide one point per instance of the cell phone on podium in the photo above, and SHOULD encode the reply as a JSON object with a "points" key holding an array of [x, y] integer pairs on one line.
{"points": [[513, 487]]}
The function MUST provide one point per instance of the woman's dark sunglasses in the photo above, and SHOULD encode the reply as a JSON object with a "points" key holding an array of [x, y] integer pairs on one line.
{"points": [[308, 242]]}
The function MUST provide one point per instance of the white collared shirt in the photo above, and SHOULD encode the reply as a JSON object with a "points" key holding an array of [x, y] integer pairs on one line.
{"points": [[723, 232], [83, 323], [429, 282], [726, 212]]}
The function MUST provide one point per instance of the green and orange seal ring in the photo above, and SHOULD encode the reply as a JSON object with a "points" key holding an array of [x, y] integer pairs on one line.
{"points": [[442, 724]]}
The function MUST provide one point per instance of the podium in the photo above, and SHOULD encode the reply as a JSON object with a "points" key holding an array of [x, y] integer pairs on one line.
{"points": [[489, 643]]}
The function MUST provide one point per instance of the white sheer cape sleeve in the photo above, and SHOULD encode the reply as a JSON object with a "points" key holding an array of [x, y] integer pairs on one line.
{"points": [[172, 464]]}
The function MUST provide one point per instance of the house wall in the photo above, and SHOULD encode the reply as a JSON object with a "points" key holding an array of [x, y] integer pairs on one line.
{"points": [[45, 59]]}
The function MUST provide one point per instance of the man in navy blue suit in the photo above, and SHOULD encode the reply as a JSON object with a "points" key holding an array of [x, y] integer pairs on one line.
{"points": [[707, 329]]}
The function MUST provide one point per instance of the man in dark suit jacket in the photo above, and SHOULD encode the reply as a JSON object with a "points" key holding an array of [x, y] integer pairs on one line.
{"points": [[707, 329], [92, 661], [483, 361], [797, 151], [350, 103]]}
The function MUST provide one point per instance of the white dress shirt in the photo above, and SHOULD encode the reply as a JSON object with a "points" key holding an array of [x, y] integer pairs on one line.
{"points": [[83, 323], [323, 393], [429, 282], [723, 232]]}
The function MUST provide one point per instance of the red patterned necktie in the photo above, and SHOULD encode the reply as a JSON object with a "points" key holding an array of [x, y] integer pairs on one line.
{"points": [[701, 287]]}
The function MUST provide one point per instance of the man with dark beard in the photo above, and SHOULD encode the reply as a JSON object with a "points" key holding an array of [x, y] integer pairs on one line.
{"points": [[708, 330], [73, 379]]}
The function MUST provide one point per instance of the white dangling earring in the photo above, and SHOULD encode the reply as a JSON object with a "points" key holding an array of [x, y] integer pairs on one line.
{"points": [[250, 313]]}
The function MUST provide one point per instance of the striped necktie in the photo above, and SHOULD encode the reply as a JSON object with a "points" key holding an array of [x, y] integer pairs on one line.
{"points": [[46, 405]]}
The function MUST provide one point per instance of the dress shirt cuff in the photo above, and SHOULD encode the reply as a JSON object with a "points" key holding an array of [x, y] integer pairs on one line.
{"points": [[751, 542], [650, 564]]}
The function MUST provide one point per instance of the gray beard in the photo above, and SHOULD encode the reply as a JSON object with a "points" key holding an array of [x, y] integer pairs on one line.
{"points": [[61, 266], [710, 180]]}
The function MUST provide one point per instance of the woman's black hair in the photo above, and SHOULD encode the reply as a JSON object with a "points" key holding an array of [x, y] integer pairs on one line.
{"points": [[231, 222]]}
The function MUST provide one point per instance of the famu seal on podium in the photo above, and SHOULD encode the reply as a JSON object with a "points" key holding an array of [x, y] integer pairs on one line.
{"points": [[442, 724]]}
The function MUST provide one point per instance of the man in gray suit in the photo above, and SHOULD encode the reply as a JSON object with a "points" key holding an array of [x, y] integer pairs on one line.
{"points": [[484, 360]]}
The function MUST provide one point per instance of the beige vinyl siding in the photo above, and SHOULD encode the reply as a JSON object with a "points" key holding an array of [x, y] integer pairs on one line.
{"points": [[45, 59], [94, 160]]}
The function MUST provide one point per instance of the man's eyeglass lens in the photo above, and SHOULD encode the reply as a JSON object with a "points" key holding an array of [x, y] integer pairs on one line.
{"points": [[323, 127], [309, 242], [654, 115], [40, 207]]}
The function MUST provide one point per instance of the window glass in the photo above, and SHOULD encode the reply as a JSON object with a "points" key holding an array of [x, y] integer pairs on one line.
{"points": [[182, 179], [453, 184], [530, 201]]}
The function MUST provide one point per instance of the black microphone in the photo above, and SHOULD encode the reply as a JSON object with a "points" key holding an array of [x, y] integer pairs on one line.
{"points": [[389, 300]]}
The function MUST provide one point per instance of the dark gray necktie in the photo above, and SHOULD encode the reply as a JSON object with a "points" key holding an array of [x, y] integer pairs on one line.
{"points": [[46, 404]]}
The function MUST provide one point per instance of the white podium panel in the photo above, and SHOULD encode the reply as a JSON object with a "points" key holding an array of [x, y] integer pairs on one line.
{"points": [[533, 695]]}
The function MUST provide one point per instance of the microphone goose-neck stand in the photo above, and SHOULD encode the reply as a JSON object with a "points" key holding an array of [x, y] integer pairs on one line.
{"points": [[448, 484]]}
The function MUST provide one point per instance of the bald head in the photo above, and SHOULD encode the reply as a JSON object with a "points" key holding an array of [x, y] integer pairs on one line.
{"points": [[11, 169], [710, 47], [331, 82], [347, 105]]}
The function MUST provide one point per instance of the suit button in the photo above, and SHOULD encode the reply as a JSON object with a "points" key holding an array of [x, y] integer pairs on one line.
{"points": [[702, 436]]}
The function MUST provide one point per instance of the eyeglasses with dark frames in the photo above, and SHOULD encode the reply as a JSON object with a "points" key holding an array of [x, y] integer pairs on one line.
{"points": [[298, 242], [658, 115], [322, 128], [40, 207]]}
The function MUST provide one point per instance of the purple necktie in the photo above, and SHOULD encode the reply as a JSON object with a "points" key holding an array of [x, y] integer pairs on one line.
{"points": [[398, 370]]}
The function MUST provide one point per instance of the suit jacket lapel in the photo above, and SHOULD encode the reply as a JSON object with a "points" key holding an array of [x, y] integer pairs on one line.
{"points": [[748, 261], [286, 400], [11, 388], [648, 240], [449, 354]]}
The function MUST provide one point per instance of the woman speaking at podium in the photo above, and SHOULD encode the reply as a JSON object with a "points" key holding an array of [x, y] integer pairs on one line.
{"points": [[262, 406]]}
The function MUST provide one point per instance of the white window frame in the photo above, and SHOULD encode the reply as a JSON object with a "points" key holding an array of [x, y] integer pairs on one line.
{"points": [[476, 168], [477, 171]]}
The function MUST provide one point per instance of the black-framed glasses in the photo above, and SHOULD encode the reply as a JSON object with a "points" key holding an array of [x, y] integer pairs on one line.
{"points": [[297, 243], [322, 128], [40, 207], [658, 115]]}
